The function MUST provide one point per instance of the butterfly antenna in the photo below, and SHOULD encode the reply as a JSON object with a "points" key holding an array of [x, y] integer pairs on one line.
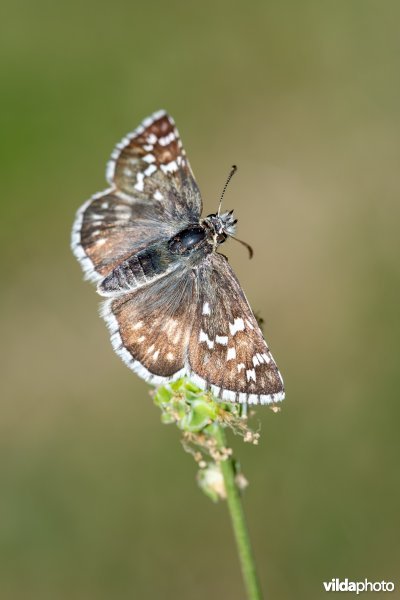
{"points": [[249, 248], [231, 174]]}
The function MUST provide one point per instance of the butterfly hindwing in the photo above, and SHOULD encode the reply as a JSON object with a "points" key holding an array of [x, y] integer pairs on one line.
{"points": [[196, 322], [150, 327], [227, 349]]}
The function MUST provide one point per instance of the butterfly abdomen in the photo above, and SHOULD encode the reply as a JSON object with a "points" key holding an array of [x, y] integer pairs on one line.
{"points": [[139, 269], [192, 244]]}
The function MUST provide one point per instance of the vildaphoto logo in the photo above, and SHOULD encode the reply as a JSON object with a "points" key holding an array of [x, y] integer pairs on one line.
{"points": [[345, 585]]}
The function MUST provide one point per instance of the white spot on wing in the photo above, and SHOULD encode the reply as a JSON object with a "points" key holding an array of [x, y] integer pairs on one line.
{"points": [[158, 195], [250, 374], [228, 395], [159, 114], [203, 337], [240, 367], [237, 325], [270, 398], [151, 138], [150, 170], [139, 182], [171, 167], [164, 141], [221, 339], [215, 390], [231, 354], [206, 308], [199, 381]]}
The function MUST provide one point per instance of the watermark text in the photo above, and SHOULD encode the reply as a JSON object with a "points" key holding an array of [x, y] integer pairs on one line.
{"points": [[345, 585]]}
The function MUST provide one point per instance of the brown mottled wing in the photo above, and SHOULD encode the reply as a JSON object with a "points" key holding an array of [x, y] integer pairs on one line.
{"points": [[150, 327], [152, 196], [153, 155], [227, 351]]}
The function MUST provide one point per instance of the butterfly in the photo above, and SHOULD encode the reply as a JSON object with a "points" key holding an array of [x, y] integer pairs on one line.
{"points": [[172, 304]]}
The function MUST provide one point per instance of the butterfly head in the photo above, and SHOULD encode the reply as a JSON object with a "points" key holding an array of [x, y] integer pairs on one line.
{"points": [[221, 226]]}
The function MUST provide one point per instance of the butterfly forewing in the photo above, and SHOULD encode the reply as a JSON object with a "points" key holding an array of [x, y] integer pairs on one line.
{"points": [[153, 195], [151, 164], [109, 228]]}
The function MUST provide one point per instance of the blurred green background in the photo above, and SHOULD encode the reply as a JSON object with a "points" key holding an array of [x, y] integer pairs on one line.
{"points": [[97, 498]]}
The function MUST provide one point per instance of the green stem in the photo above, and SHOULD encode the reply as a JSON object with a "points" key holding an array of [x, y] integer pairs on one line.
{"points": [[239, 523]]}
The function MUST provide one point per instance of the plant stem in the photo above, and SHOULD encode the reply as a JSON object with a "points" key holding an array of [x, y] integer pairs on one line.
{"points": [[239, 523]]}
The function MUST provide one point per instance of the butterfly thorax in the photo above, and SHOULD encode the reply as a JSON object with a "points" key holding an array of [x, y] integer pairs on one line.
{"points": [[190, 240], [205, 236]]}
